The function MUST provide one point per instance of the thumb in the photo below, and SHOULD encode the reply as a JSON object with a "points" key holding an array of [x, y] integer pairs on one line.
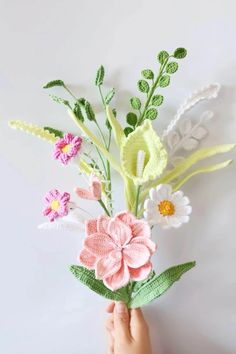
{"points": [[121, 321]]}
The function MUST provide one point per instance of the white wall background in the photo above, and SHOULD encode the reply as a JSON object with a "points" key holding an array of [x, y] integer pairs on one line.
{"points": [[43, 309]]}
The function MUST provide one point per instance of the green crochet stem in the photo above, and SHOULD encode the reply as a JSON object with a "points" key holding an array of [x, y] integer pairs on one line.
{"points": [[136, 294]]}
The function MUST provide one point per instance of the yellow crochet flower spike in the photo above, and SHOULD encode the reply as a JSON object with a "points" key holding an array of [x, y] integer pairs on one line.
{"points": [[144, 139]]}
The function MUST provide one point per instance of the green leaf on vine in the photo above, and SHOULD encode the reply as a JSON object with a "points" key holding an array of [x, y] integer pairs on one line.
{"points": [[77, 111], [109, 96], [131, 119], [100, 76], [60, 100], [53, 84], [180, 53], [162, 56], [148, 74], [89, 111], [157, 100], [143, 86], [172, 67], [164, 81], [151, 114], [128, 130], [56, 132], [135, 103]]}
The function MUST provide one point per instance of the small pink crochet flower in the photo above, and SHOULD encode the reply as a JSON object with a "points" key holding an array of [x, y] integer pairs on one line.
{"points": [[119, 249], [67, 147], [56, 204], [94, 192]]}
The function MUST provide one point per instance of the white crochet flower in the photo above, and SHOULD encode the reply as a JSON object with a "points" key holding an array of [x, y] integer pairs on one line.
{"points": [[166, 208]]}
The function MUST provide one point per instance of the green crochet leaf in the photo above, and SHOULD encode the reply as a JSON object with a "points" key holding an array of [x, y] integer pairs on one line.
{"points": [[148, 74], [131, 119], [56, 132], [156, 285], [100, 76], [164, 81], [128, 130], [194, 158], [151, 114], [135, 103], [89, 111], [162, 56], [34, 130], [60, 100], [53, 83], [143, 86], [207, 169], [172, 67], [143, 138], [157, 100], [87, 277], [109, 96], [180, 53], [116, 127], [77, 111]]}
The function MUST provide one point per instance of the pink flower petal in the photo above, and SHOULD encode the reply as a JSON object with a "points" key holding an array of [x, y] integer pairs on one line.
{"points": [[119, 279], [119, 231], [141, 273], [127, 217], [99, 244], [108, 266], [96, 188], [68, 137], [91, 227], [141, 228], [102, 224], [146, 242], [84, 194], [87, 259], [136, 255]]}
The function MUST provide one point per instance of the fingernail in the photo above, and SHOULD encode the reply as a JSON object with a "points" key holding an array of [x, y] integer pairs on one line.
{"points": [[121, 307]]}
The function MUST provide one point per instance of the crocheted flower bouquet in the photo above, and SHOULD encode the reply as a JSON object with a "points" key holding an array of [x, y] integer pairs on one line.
{"points": [[115, 256]]}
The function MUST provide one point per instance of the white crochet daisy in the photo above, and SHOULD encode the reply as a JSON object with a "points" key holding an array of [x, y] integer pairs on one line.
{"points": [[167, 208]]}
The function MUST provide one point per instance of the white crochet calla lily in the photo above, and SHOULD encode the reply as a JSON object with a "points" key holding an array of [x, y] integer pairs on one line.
{"points": [[166, 208]]}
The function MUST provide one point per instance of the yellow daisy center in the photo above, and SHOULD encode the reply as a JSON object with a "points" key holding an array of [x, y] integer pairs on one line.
{"points": [[166, 208], [66, 148], [55, 205]]}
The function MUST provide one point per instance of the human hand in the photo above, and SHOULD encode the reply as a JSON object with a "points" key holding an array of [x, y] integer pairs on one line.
{"points": [[127, 330]]}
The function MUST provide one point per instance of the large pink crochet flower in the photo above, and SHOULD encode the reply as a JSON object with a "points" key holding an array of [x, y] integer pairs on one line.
{"points": [[119, 249], [67, 147], [56, 204]]}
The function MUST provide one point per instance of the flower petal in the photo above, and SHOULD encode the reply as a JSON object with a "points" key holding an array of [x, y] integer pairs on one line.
{"points": [[84, 193], [99, 244], [119, 231], [141, 228], [164, 191], [107, 266], [141, 273], [127, 217], [102, 224], [119, 279], [136, 255], [96, 188], [87, 259], [146, 242], [91, 226]]}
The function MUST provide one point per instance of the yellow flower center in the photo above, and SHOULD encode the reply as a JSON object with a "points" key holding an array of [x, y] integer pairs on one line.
{"points": [[66, 148], [55, 205], [166, 208]]}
